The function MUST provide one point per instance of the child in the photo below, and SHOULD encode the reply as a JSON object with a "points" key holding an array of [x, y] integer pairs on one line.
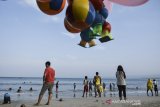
{"points": [[104, 89], [155, 87], [74, 85], [57, 85], [101, 88], [85, 83], [90, 88]]}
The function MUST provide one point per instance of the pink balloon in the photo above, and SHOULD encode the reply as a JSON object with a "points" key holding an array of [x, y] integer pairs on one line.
{"points": [[108, 5], [129, 2]]}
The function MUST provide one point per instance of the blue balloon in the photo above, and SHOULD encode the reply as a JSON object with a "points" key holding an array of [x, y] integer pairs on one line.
{"points": [[104, 12], [99, 19], [85, 35], [56, 4], [91, 14]]}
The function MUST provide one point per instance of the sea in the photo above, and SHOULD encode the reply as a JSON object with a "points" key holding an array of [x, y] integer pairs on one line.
{"points": [[135, 87]]}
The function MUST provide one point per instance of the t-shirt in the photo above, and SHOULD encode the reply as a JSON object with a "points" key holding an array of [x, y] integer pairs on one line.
{"points": [[97, 80], [155, 82], [49, 74], [85, 82]]}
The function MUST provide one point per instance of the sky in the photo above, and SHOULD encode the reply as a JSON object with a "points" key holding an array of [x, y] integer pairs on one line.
{"points": [[29, 38]]}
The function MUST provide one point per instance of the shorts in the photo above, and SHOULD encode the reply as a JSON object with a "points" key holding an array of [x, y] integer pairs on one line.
{"points": [[98, 88], [155, 88], [86, 88], [46, 86]]}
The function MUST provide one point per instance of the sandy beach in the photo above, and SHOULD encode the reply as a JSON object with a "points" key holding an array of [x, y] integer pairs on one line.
{"points": [[136, 101]]}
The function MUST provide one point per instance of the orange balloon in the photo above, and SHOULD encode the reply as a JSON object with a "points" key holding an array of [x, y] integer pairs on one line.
{"points": [[50, 7], [70, 28]]}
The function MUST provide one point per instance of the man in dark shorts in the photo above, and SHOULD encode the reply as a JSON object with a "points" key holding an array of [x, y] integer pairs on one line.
{"points": [[48, 82]]}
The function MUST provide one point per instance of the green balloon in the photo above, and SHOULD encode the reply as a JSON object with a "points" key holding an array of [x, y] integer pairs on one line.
{"points": [[97, 29]]}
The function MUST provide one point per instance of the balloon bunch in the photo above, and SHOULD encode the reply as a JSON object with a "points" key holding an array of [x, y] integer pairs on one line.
{"points": [[87, 17]]}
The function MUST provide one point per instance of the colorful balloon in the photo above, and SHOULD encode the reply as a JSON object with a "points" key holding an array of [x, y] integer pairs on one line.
{"points": [[69, 1], [106, 26], [86, 37], [98, 4], [130, 2], [104, 12], [91, 43], [97, 30], [87, 17], [51, 7], [80, 14], [99, 19], [70, 28], [105, 39], [82, 43], [106, 35]]}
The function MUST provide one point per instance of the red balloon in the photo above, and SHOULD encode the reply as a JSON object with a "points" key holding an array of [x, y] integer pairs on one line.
{"points": [[106, 26], [69, 1], [98, 4]]}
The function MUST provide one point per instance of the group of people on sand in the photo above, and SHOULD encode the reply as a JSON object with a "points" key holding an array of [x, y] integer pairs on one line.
{"points": [[48, 82], [49, 77], [100, 87], [7, 98], [97, 83], [152, 84]]}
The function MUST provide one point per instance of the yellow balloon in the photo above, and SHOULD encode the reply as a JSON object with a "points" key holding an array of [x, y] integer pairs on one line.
{"points": [[80, 9]]}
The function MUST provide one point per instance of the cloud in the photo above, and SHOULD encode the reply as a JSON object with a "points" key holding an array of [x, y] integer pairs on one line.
{"points": [[69, 34]]}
